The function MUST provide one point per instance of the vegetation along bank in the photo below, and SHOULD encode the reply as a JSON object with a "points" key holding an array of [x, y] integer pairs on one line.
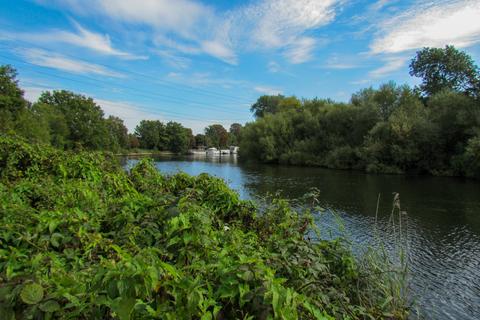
{"points": [[433, 128], [81, 238]]}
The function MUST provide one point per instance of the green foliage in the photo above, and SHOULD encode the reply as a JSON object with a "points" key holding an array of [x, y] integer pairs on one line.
{"points": [[273, 104], [178, 137], [83, 239], [216, 136], [11, 96], [32, 293], [84, 119], [234, 134], [390, 129], [151, 135], [12, 102], [154, 135], [200, 140], [117, 133], [446, 69]]}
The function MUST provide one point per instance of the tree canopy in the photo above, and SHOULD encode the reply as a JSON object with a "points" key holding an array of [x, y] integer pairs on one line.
{"points": [[446, 69], [216, 136]]}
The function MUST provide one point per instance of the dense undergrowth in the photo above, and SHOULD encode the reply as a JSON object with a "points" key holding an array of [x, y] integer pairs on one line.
{"points": [[81, 238]]}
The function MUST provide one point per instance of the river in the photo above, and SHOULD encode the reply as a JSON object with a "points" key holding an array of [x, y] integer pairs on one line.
{"points": [[443, 216]]}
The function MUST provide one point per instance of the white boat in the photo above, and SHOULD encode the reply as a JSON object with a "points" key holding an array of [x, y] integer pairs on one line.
{"points": [[212, 152], [234, 149], [225, 151]]}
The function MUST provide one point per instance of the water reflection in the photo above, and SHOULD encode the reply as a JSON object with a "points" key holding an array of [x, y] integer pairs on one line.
{"points": [[443, 219]]}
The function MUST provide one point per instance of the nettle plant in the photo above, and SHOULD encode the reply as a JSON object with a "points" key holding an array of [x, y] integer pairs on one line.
{"points": [[82, 238]]}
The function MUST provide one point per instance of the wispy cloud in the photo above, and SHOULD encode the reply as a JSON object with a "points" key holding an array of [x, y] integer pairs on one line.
{"points": [[83, 37], [341, 62], [391, 64], [173, 59], [301, 50], [267, 90], [281, 24], [219, 50], [205, 79], [60, 62], [434, 24], [273, 67], [93, 41], [192, 27]]}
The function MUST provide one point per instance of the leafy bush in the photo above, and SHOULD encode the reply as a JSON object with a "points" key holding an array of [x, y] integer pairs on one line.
{"points": [[81, 238]]}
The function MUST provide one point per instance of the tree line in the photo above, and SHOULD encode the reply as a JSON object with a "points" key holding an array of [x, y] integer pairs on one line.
{"points": [[433, 128], [67, 120]]}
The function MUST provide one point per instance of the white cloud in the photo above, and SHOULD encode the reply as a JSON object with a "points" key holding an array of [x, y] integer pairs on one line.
{"points": [[280, 24], [341, 62], [60, 62], [279, 21], [220, 51], [82, 38], [273, 67], [391, 64], [435, 24], [190, 27], [180, 16], [301, 50], [267, 90], [380, 4], [93, 41], [174, 60]]}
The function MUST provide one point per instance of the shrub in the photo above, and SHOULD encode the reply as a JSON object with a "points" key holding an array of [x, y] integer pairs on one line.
{"points": [[81, 238]]}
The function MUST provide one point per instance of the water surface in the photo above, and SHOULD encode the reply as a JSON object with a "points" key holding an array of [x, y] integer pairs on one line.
{"points": [[443, 219]]}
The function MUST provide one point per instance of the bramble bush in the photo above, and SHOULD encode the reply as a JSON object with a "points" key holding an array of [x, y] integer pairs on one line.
{"points": [[82, 238]]}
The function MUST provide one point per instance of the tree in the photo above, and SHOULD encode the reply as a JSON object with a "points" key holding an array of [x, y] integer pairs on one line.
{"points": [[266, 104], [133, 142], [32, 126], [151, 134], [446, 69], [57, 125], [200, 140], [216, 136], [234, 134], [12, 102], [178, 137], [84, 118], [118, 133]]}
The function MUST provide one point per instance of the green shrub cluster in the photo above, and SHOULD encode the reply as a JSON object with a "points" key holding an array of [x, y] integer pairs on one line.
{"points": [[389, 130], [81, 238], [433, 128]]}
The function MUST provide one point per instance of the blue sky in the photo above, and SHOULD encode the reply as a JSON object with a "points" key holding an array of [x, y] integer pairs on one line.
{"points": [[204, 62]]}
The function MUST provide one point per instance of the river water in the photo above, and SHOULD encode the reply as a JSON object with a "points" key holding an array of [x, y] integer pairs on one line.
{"points": [[442, 214]]}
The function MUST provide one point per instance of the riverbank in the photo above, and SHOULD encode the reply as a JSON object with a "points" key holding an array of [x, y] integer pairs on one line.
{"points": [[82, 236]]}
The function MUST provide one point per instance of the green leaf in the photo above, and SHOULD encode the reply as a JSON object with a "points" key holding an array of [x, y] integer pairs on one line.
{"points": [[123, 307], [32, 293], [50, 306], [7, 313], [55, 239]]}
